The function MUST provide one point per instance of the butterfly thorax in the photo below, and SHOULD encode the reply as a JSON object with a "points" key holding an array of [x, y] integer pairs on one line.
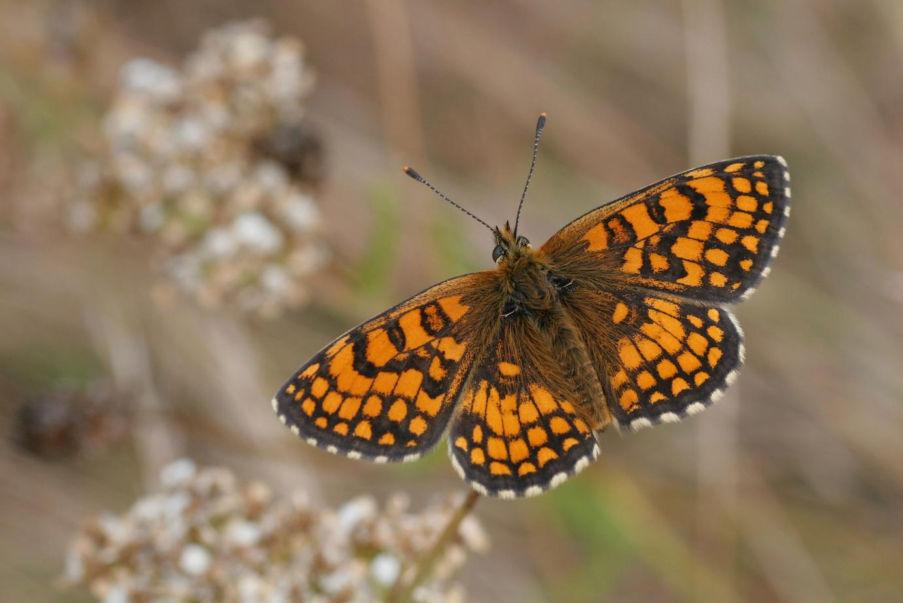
{"points": [[524, 275]]}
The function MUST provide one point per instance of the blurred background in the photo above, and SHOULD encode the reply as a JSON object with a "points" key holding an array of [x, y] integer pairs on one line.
{"points": [[190, 208]]}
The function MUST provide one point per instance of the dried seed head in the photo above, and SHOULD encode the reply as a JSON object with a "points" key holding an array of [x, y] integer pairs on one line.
{"points": [[214, 164], [206, 536]]}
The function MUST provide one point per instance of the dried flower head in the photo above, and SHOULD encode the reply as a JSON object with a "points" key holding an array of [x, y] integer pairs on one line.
{"points": [[207, 537], [196, 159]]}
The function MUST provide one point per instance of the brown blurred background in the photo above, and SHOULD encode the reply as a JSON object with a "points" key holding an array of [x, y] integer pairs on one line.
{"points": [[788, 490]]}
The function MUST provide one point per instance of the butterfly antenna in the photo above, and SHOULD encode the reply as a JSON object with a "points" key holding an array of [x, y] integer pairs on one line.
{"points": [[416, 176], [540, 124]]}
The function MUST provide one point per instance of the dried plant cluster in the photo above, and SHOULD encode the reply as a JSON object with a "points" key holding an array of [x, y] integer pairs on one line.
{"points": [[207, 537], [213, 163]]}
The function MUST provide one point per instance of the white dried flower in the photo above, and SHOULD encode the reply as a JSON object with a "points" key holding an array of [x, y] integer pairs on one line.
{"points": [[208, 537], [195, 560], [300, 211], [275, 279], [354, 513], [240, 533], [219, 243], [385, 568], [117, 594], [148, 77], [178, 473], [256, 232], [186, 160]]}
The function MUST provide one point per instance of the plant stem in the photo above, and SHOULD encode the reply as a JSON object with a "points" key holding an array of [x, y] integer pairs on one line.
{"points": [[401, 592]]}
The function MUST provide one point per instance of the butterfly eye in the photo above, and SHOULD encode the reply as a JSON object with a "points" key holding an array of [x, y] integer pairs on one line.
{"points": [[509, 308], [522, 241], [498, 253]]}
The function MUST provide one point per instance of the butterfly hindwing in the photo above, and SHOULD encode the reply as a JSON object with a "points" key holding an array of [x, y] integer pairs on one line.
{"points": [[658, 358], [385, 390], [518, 431], [707, 234]]}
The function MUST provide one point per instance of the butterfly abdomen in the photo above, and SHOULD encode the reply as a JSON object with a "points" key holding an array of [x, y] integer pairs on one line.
{"points": [[579, 371]]}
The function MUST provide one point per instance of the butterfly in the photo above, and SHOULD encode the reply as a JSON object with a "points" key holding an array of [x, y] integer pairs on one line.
{"points": [[619, 319]]}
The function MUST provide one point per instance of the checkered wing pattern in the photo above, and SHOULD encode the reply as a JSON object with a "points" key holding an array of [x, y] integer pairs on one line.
{"points": [[707, 234], [658, 359], [519, 431], [385, 390]]}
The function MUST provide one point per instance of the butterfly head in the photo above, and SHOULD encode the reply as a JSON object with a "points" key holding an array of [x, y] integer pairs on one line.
{"points": [[523, 275], [508, 245]]}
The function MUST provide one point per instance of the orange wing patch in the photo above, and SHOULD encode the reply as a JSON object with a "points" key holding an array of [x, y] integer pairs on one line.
{"points": [[670, 359], [708, 234], [513, 436], [386, 389]]}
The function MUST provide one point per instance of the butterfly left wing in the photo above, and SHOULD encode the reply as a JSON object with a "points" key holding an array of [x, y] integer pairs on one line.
{"points": [[644, 279], [658, 358], [708, 234], [519, 429], [385, 390]]}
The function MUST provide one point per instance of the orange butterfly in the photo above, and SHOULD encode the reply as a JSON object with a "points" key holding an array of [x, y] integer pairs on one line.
{"points": [[618, 318]]}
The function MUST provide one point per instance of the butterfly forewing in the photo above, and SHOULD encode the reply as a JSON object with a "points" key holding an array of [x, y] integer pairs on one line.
{"points": [[707, 234], [386, 389]]}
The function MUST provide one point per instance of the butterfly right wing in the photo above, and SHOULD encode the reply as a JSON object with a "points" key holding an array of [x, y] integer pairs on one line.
{"points": [[385, 390]]}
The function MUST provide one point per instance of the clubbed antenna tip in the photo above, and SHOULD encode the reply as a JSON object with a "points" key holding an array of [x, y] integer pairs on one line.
{"points": [[416, 176], [540, 124]]}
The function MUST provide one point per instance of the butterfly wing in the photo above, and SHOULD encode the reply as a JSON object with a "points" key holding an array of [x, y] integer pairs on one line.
{"points": [[647, 276], [658, 359], [385, 390], [708, 234], [518, 430]]}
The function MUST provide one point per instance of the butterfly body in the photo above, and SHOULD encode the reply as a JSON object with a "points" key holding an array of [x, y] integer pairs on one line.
{"points": [[532, 291], [619, 318]]}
